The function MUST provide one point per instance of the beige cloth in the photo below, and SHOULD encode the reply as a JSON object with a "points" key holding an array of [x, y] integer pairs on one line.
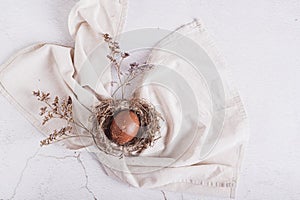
{"points": [[187, 158]]}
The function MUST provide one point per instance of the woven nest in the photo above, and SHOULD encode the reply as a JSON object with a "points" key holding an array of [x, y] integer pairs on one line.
{"points": [[148, 133]]}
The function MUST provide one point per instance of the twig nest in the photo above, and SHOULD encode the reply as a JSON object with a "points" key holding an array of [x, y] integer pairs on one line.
{"points": [[124, 127]]}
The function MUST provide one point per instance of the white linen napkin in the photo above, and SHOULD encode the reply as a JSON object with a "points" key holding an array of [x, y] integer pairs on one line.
{"points": [[192, 155]]}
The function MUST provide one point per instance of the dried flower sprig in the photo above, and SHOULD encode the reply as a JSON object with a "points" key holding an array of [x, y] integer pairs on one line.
{"points": [[104, 112], [56, 109], [61, 109], [116, 58]]}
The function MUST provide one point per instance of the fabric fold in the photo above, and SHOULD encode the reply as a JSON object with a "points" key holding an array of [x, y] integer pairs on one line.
{"points": [[203, 140], [57, 69], [210, 164]]}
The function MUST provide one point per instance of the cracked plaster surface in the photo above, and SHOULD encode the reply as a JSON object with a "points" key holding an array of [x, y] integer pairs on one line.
{"points": [[260, 40]]}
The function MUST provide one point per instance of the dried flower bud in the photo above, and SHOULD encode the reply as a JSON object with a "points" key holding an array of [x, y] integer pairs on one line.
{"points": [[69, 100], [124, 55]]}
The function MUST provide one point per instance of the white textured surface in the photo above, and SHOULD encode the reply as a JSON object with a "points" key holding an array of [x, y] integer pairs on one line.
{"points": [[259, 39]]}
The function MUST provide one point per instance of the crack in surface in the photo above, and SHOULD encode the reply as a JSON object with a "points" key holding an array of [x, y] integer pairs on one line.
{"points": [[22, 173], [86, 177], [83, 167], [57, 158], [164, 195]]}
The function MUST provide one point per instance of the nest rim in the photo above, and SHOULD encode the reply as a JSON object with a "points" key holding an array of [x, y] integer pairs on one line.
{"points": [[148, 133]]}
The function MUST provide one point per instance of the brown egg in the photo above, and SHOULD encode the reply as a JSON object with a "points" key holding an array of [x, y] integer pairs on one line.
{"points": [[124, 127]]}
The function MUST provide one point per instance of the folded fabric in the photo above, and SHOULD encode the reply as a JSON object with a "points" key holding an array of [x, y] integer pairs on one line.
{"points": [[204, 130]]}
